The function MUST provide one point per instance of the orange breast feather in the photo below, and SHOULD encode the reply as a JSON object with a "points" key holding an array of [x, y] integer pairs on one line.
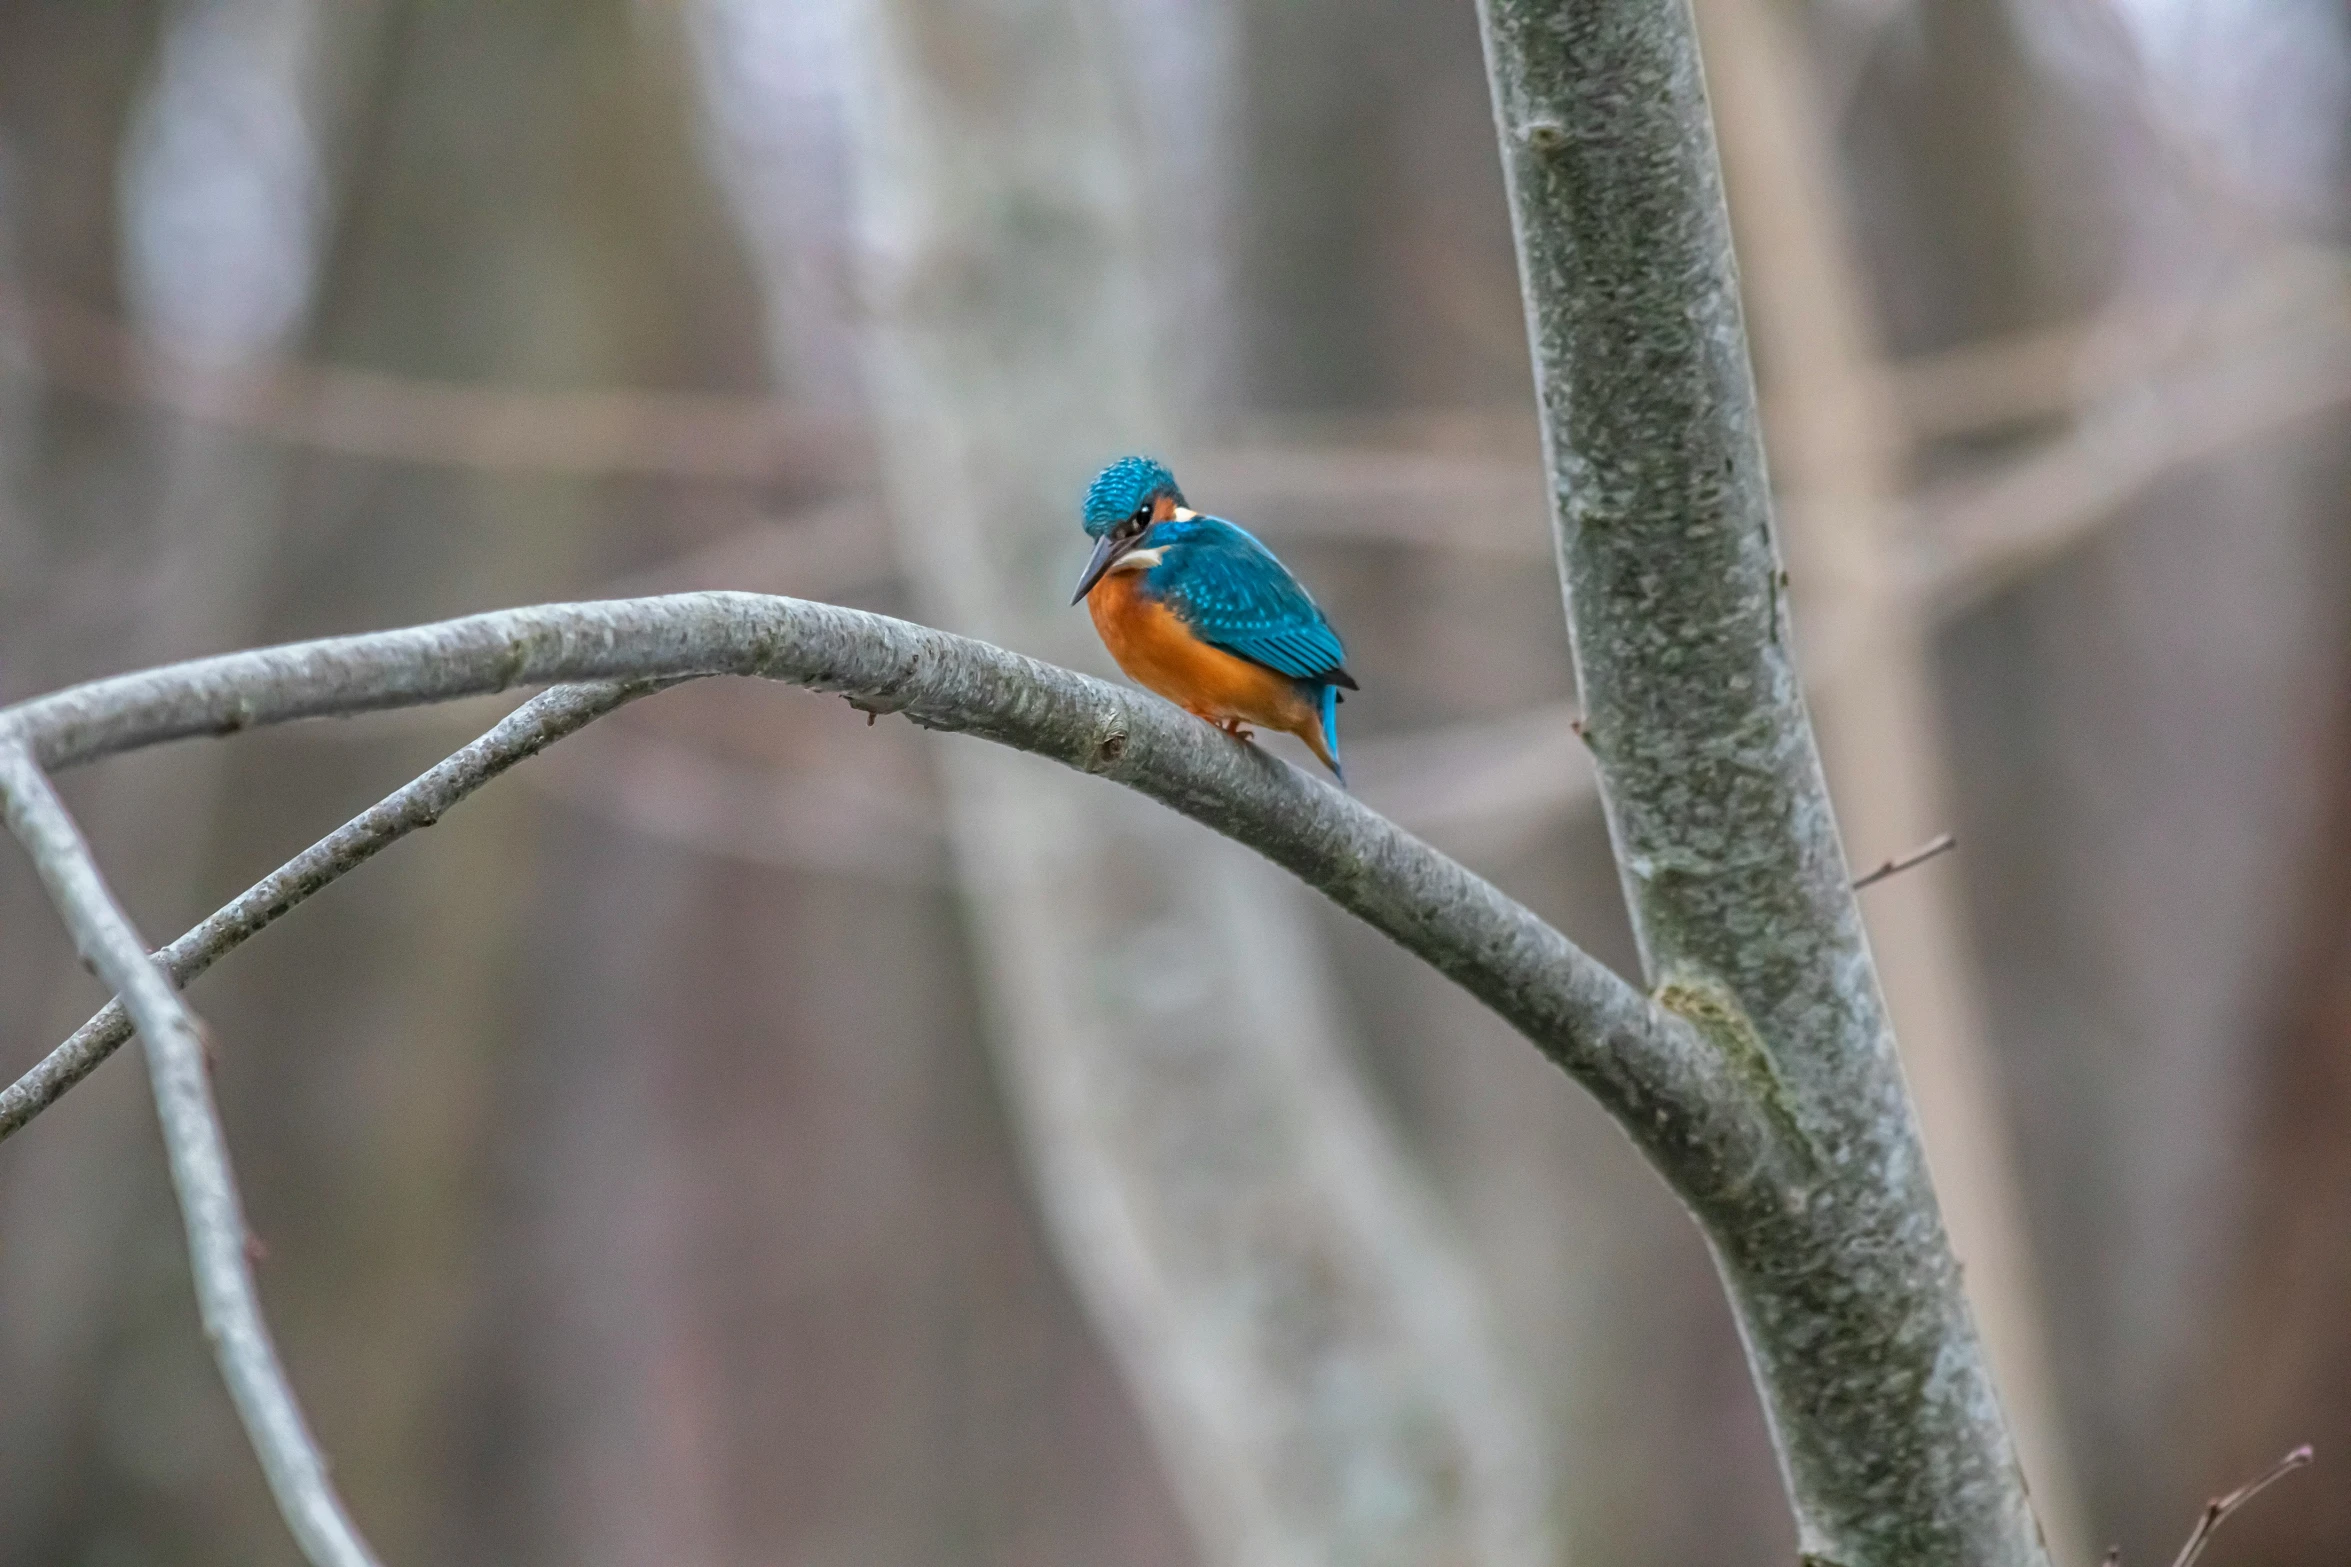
{"points": [[1159, 651]]}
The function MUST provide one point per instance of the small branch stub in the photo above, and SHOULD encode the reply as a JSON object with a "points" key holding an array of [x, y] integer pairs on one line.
{"points": [[2217, 1511], [1543, 135], [1941, 844]]}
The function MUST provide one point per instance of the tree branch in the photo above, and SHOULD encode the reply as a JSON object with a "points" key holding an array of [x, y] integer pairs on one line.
{"points": [[2216, 1512], [523, 733], [1688, 1102], [1683, 1100], [1941, 843], [1889, 1429], [368, 413], [1972, 537], [200, 1172]]}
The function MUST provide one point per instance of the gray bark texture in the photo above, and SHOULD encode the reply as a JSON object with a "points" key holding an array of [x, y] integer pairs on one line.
{"points": [[218, 1241], [1676, 1094], [1890, 1433], [1302, 1333], [1678, 1097]]}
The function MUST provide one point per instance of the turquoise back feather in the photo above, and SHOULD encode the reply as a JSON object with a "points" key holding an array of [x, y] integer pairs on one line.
{"points": [[1237, 595]]}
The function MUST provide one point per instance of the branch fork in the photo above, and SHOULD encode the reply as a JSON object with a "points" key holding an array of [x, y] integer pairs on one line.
{"points": [[1678, 1095]]}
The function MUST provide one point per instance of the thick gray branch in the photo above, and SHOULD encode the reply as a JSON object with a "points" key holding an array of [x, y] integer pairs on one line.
{"points": [[1681, 1098], [1889, 1430], [199, 1156], [1692, 1097], [524, 733]]}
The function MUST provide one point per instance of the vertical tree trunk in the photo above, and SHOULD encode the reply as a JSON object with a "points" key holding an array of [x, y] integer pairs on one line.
{"points": [[1890, 1433], [1305, 1343]]}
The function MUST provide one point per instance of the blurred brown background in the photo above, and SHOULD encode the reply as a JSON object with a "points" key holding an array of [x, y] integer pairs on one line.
{"points": [[637, 1183]]}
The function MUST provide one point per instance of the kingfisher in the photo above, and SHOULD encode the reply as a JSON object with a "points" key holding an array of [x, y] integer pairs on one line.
{"points": [[1194, 608]]}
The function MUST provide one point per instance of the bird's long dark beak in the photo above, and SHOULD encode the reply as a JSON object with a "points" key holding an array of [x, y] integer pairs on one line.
{"points": [[1106, 555]]}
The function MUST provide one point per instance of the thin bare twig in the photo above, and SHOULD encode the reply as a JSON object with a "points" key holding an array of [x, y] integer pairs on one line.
{"points": [[207, 1187], [523, 733], [2217, 1511], [1941, 843]]}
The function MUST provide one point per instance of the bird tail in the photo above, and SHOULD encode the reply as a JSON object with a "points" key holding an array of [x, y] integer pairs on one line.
{"points": [[1329, 749]]}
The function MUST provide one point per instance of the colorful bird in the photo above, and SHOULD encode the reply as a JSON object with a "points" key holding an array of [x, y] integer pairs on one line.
{"points": [[1200, 612]]}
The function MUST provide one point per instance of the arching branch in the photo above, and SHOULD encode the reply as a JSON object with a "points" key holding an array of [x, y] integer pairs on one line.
{"points": [[200, 1172], [522, 734], [1674, 1091], [1689, 1100]]}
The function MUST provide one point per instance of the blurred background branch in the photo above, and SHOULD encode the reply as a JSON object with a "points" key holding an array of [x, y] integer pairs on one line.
{"points": [[1841, 456], [1304, 1338]]}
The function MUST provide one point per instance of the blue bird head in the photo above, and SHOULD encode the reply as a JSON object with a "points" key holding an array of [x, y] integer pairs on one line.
{"points": [[1121, 504], [1125, 491]]}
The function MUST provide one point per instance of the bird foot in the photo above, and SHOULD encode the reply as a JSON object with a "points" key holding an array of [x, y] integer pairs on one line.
{"points": [[1231, 726]]}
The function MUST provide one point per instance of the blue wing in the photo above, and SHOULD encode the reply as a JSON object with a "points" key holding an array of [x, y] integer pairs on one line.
{"points": [[1236, 595]]}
